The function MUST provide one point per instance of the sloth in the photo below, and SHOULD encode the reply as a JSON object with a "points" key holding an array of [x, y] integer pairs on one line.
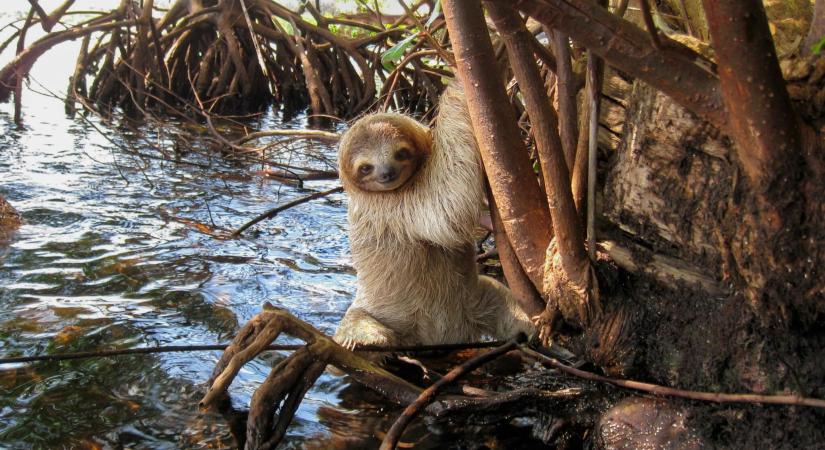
{"points": [[415, 197]]}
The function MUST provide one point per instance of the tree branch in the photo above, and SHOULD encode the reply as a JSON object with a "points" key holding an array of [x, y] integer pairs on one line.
{"points": [[673, 392], [566, 91], [390, 440], [628, 48]]}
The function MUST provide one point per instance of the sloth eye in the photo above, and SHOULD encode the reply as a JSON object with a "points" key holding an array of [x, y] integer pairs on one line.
{"points": [[402, 154], [364, 169]]}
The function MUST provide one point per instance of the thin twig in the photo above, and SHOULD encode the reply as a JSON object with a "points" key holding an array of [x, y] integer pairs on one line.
{"points": [[594, 87], [255, 42], [447, 57], [796, 400], [394, 434], [272, 212], [621, 7], [651, 27], [210, 347], [320, 135]]}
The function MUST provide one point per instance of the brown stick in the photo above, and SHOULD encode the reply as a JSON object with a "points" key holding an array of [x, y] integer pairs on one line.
{"points": [[47, 21], [594, 88], [293, 401], [140, 57], [566, 92], [579, 182], [524, 213], [320, 135], [265, 327], [18, 79], [274, 211], [625, 46], [287, 381], [673, 392], [212, 347], [647, 16], [77, 82], [390, 441], [621, 8], [588, 131]]}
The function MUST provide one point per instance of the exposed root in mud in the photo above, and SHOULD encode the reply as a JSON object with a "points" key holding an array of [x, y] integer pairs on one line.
{"points": [[289, 380], [276, 400]]}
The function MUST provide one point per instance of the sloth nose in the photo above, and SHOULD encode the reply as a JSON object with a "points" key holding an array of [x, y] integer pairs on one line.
{"points": [[386, 175]]}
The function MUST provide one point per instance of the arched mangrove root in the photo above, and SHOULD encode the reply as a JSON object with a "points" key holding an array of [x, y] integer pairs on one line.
{"points": [[234, 55]]}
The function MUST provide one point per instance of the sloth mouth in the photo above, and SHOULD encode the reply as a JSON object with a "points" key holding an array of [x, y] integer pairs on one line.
{"points": [[388, 176], [396, 182]]}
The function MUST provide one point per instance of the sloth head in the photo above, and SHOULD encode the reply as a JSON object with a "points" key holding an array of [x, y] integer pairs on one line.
{"points": [[382, 152]]}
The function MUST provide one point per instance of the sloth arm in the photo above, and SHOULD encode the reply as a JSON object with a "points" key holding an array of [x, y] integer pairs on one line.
{"points": [[445, 209]]}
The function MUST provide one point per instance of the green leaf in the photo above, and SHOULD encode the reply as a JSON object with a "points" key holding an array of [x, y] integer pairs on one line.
{"points": [[817, 48], [390, 57], [286, 26]]}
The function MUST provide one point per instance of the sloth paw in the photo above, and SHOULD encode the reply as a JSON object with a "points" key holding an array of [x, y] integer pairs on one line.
{"points": [[546, 324], [358, 327], [352, 340], [349, 343]]}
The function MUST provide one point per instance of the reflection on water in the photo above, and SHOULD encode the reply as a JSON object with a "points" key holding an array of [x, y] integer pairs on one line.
{"points": [[98, 264]]}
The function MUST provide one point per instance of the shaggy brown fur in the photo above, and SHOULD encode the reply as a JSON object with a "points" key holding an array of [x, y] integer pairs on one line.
{"points": [[412, 237]]}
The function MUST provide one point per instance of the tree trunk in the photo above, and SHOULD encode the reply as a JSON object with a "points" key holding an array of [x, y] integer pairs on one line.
{"points": [[524, 212], [769, 241], [569, 277]]}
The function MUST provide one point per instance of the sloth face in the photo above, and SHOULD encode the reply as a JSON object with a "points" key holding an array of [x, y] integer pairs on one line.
{"points": [[382, 153], [385, 169]]}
